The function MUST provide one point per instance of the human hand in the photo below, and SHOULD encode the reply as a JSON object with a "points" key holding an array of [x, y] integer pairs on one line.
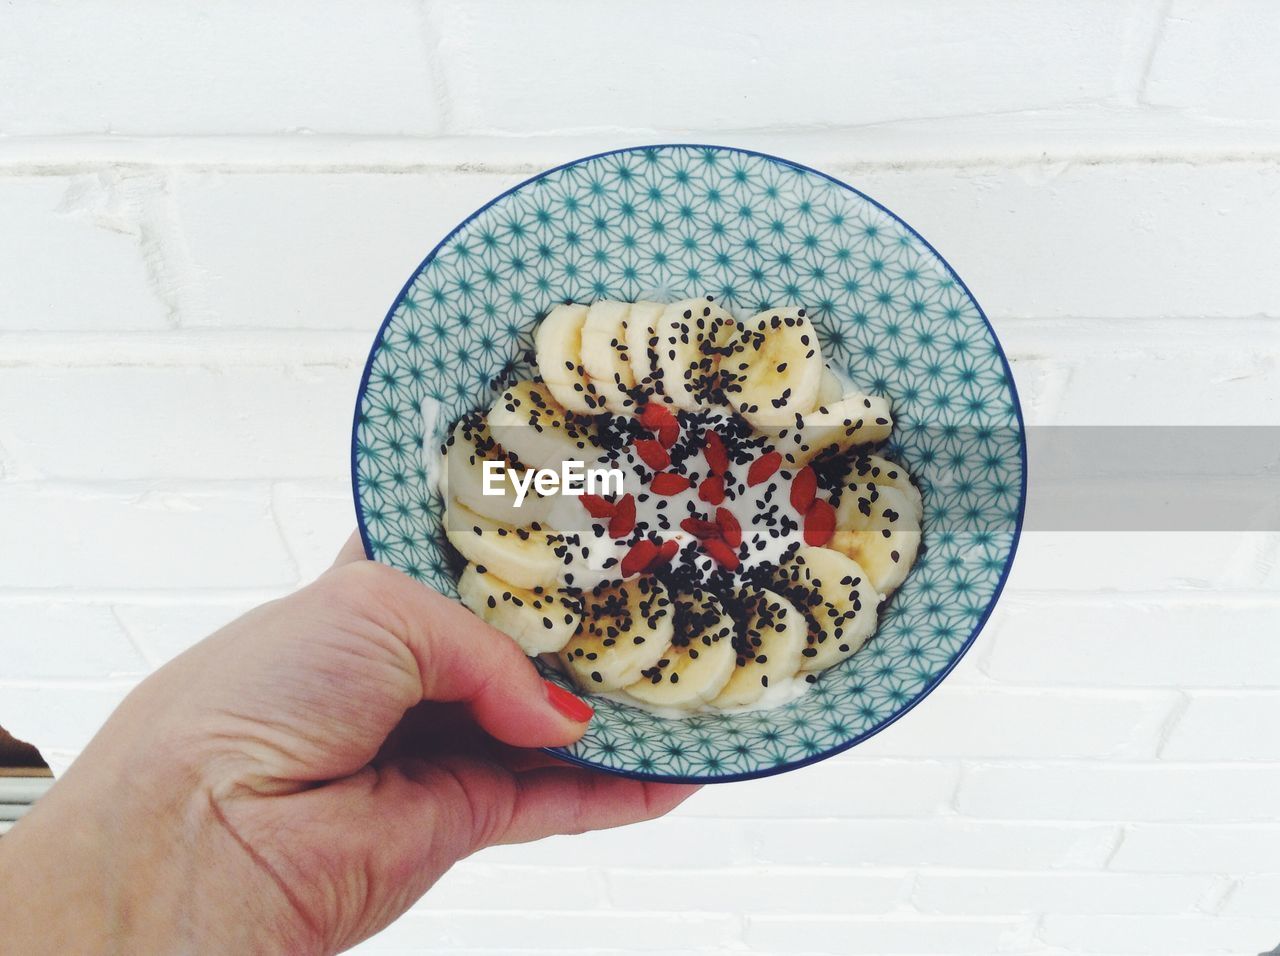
{"points": [[295, 781]]}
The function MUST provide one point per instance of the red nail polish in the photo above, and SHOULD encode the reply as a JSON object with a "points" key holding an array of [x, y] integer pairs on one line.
{"points": [[575, 708]]}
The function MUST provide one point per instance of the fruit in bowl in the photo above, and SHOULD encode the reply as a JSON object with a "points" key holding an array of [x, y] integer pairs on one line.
{"points": [[751, 535]]}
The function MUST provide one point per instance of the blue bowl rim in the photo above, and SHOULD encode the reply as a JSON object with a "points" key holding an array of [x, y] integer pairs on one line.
{"points": [[1004, 361]]}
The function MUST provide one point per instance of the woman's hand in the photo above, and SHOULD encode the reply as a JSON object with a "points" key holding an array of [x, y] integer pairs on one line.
{"points": [[295, 781]]}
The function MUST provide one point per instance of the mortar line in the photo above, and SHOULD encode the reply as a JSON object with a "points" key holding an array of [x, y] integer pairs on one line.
{"points": [[508, 154]]}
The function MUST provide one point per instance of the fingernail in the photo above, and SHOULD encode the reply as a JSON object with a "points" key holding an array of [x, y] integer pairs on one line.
{"points": [[575, 708]]}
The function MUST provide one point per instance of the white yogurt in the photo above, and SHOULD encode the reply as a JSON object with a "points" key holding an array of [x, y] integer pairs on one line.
{"points": [[659, 516]]}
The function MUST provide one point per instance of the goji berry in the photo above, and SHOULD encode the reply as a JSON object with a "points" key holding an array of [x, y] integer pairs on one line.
{"points": [[638, 557], [730, 530], [717, 457], [723, 555], [803, 487], [623, 521], [819, 523], [669, 483], [763, 468], [597, 507], [711, 489], [652, 453]]}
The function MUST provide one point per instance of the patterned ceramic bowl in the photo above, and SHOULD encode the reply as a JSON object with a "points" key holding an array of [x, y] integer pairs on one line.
{"points": [[673, 221]]}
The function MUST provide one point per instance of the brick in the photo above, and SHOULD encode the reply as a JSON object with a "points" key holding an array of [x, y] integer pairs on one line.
{"points": [[186, 422], [1127, 561], [1197, 935], [557, 932], [1253, 896], [842, 786], [1187, 848], [1135, 792], [179, 68], [1227, 727], [1000, 723], [1134, 643], [150, 537], [1041, 381], [1128, 388], [980, 894], [1134, 372], [860, 66], [1126, 226], [163, 631], [55, 640], [186, 348], [936, 842], [316, 519], [473, 886], [73, 258], [673, 840], [757, 891], [882, 936], [58, 716], [329, 251], [1217, 60]]}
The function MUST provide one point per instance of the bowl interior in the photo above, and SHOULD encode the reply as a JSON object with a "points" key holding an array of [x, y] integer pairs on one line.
{"points": [[668, 222]]}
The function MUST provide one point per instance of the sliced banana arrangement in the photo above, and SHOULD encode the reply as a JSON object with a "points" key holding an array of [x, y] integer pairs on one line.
{"points": [[692, 336], [700, 659], [754, 534], [778, 371]]}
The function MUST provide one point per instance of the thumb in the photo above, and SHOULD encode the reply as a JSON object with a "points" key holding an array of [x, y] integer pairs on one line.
{"points": [[459, 658]]}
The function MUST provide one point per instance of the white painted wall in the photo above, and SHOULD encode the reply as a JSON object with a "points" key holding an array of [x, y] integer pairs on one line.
{"points": [[206, 209]]}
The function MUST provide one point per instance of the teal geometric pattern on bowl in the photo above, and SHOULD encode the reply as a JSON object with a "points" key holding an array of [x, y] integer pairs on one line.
{"points": [[754, 230]]}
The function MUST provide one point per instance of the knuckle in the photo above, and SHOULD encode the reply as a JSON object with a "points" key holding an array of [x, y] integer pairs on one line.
{"points": [[361, 586]]}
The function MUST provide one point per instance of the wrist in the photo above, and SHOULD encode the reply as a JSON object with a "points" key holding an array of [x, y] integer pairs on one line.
{"points": [[88, 870], [113, 860]]}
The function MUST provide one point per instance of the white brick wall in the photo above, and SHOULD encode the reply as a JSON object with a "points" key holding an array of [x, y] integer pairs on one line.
{"points": [[205, 211]]}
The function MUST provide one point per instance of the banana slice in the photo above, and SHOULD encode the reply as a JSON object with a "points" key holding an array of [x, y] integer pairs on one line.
{"points": [[831, 390], [830, 429], [625, 629], [642, 342], [540, 621], [558, 343], [769, 650], [691, 334], [778, 371], [840, 602], [465, 455], [528, 422], [526, 557], [606, 357], [876, 525], [698, 663], [868, 467]]}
